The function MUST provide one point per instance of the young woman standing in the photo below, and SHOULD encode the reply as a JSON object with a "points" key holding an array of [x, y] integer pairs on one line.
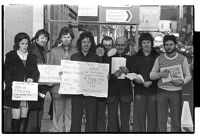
{"points": [[20, 65]]}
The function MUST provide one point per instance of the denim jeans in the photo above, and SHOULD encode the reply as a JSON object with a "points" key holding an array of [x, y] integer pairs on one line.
{"points": [[144, 108], [61, 113], [173, 101], [101, 115], [78, 103]]}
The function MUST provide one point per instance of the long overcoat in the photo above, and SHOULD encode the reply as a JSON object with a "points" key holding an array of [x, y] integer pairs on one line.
{"points": [[15, 70]]}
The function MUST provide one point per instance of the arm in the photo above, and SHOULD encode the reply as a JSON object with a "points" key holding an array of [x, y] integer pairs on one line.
{"points": [[186, 72], [134, 69], [34, 72], [7, 75], [155, 74]]}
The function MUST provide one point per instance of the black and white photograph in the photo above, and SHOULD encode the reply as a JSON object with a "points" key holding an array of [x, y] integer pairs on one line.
{"points": [[103, 68]]}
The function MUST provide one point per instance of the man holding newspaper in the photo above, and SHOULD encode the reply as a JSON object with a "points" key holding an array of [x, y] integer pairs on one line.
{"points": [[172, 70]]}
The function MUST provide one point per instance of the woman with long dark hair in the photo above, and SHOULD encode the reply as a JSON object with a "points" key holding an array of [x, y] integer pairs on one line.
{"points": [[86, 48], [20, 65]]}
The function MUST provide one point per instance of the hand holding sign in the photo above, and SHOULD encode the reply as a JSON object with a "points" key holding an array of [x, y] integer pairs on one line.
{"points": [[118, 73], [147, 84], [165, 73], [29, 80], [137, 77], [177, 82]]}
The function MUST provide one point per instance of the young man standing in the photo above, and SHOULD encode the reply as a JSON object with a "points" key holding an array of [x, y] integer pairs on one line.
{"points": [[61, 103], [172, 70], [144, 92]]}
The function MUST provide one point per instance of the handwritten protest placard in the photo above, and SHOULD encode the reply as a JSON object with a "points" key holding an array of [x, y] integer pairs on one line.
{"points": [[87, 78], [175, 72], [116, 63], [49, 73], [23, 91]]}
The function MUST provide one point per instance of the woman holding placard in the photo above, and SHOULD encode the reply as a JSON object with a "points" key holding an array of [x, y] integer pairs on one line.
{"points": [[86, 48], [20, 65]]}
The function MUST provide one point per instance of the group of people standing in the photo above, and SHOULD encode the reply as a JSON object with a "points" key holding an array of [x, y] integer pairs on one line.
{"points": [[151, 98]]}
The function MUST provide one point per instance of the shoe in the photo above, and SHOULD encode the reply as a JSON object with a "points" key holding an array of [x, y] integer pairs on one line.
{"points": [[15, 125], [23, 125]]}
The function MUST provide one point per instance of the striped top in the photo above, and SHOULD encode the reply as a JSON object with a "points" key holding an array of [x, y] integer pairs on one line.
{"points": [[163, 62]]}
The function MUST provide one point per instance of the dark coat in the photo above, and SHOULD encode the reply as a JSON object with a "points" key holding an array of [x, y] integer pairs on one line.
{"points": [[40, 52], [90, 57], [15, 70], [120, 89], [143, 65]]}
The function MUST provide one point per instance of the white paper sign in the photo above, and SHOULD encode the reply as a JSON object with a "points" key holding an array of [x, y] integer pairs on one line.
{"points": [[49, 73], [23, 91], [132, 76], [175, 72], [116, 63], [87, 78]]}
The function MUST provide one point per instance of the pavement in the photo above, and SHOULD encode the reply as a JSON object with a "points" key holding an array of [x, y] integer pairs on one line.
{"points": [[187, 96], [46, 122]]}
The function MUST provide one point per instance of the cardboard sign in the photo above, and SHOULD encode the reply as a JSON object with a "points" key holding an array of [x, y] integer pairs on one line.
{"points": [[87, 78], [23, 91], [49, 73]]}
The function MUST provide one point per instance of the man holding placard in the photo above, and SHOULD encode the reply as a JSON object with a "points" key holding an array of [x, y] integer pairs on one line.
{"points": [[120, 89], [61, 103]]}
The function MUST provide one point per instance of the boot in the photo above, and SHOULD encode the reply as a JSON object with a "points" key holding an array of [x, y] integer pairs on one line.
{"points": [[15, 125], [23, 125]]}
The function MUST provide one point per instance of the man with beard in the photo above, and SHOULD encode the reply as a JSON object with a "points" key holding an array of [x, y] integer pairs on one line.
{"points": [[172, 71]]}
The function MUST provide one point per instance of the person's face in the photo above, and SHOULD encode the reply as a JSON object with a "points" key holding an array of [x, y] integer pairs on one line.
{"points": [[23, 45], [42, 40], [107, 44], [85, 45], [146, 45], [100, 51], [66, 40], [169, 47], [121, 46]]}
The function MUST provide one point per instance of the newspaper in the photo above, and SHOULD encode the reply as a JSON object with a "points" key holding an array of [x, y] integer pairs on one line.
{"points": [[175, 72]]}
